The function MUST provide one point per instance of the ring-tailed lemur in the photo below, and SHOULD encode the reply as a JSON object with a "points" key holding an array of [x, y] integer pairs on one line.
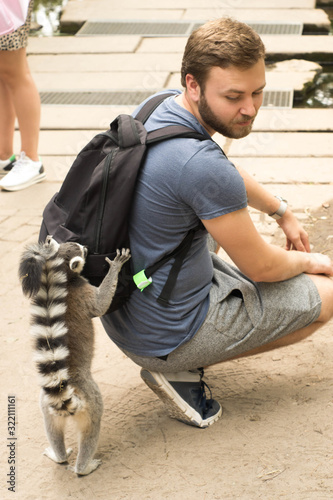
{"points": [[63, 305]]}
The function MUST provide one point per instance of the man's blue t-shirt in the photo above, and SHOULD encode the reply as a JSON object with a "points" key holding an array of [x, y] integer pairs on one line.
{"points": [[181, 182]]}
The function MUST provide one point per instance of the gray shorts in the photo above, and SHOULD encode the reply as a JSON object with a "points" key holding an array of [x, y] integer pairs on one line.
{"points": [[242, 315]]}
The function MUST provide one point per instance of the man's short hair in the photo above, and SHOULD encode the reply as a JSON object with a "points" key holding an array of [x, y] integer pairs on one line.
{"points": [[223, 42]]}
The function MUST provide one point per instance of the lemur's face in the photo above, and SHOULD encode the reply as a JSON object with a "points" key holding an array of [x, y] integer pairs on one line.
{"points": [[74, 255]]}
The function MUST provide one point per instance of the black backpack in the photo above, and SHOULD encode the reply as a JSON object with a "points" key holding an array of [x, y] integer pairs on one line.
{"points": [[94, 202]]}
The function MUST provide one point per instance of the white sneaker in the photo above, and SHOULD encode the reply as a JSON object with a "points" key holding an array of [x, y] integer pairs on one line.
{"points": [[24, 173], [7, 165]]}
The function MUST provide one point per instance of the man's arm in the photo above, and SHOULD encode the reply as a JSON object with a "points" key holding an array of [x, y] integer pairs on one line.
{"points": [[256, 258], [262, 200]]}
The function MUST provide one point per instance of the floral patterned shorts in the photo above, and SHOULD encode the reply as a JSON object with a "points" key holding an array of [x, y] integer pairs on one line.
{"points": [[19, 38]]}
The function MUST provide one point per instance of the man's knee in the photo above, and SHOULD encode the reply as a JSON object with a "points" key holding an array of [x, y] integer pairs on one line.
{"points": [[325, 289]]}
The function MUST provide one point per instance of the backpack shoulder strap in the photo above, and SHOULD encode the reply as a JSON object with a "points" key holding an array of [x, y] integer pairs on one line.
{"points": [[149, 107], [170, 131], [173, 131], [179, 255]]}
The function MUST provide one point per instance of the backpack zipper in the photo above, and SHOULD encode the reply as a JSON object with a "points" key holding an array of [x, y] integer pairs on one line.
{"points": [[102, 200]]}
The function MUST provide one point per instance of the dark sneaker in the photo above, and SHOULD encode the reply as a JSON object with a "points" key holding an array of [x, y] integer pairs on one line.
{"points": [[7, 165], [184, 396]]}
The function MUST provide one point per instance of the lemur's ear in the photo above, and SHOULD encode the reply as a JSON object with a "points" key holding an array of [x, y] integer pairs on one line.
{"points": [[50, 242], [76, 264]]}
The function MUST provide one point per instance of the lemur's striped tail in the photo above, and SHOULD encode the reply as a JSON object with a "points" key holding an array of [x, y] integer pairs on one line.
{"points": [[48, 325]]}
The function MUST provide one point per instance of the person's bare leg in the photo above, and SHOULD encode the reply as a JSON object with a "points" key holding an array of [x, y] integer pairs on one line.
{"points": [[7, 122], [325, 289], [15, 73]]}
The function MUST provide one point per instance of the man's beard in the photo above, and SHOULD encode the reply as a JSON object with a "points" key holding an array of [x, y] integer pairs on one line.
{"points": [[216, 124]]}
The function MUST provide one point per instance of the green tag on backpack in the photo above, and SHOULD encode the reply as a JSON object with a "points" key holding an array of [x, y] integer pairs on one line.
{"points": [[141, 280]]}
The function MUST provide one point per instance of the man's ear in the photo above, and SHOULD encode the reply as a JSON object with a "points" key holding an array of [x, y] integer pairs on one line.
{"points": [[192, 88]]}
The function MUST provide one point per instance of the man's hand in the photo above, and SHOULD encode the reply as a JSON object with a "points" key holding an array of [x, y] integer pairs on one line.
{"points": [[297, 237], [320, 264]]}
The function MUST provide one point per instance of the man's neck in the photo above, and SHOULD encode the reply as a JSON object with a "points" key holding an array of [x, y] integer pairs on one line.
{"points": [[183, 101]]}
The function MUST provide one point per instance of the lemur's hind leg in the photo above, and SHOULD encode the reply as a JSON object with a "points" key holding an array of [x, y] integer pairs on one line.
{"points": [[54, 427], [88, 423]]}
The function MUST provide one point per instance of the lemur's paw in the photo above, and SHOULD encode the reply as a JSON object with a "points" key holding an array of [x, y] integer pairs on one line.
{"points": [[50, 453], [93, 464], [120, 258]]}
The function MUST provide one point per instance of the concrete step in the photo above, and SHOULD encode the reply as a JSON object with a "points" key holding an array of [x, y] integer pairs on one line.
{"points": [[99, 7], [103, 80], [294, 120], [150, 80], [82, 45], [108, 63], [270, 145], [310, 17], [143, 71], [292, 170], [77, 12], [278, 47], [320, 46], [302, 198], [292, 74], [315, 48], [265, 170], [99, 117], [60, 142], [281, 144], [80, 117]]}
